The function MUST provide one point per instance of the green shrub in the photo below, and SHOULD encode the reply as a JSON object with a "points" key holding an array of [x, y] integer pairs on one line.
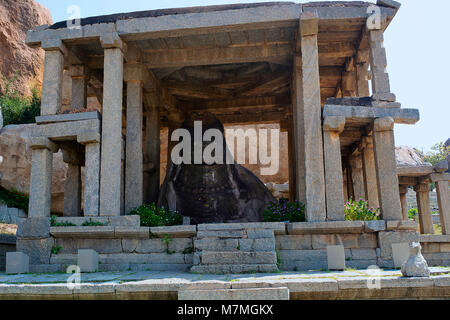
{"points": [[90, 223], [412, 213], [14, 199], [55, 223], [283, 210], [152, 216], [17, 109], [360, 211]]}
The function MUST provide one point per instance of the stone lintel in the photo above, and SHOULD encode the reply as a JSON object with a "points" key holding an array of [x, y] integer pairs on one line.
{"points": [[43, 143], [89, 137], [112, 40], [334, 123], [365, 113], [389, 3], [54, 45], [68, 117], [383, 124], [309, 23], [435, 177]]}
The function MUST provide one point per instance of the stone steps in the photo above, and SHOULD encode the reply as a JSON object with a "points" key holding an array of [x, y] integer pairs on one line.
{"points": [[237, 248], [235, 294]]}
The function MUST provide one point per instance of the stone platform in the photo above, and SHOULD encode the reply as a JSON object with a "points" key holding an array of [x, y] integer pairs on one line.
{"points": [[314, 285]]}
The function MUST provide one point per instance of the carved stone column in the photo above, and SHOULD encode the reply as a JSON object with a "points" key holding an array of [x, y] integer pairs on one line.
{"points": [[403, 191], [332, 128], [443, 195], [111, 155], [423, 204], [369, 171], [357, 177], [386, 166]]}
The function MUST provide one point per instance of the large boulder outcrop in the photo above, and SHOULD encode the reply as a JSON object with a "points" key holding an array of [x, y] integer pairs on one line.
{"points": [[17, 59], [15, 164], [406, 156]]}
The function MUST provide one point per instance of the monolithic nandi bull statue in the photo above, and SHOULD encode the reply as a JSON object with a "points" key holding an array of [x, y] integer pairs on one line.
{"points": [[211, 191]]}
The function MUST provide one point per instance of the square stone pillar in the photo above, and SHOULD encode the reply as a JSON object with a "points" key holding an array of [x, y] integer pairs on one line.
{"points": [[53, 76], [41, 176], [72, 191], [153, 147], [332, 128], [111, 153], [443, 196], [357, 177], [308, 123], [423, 204], [79, 76], [292, 159], [91, 173], [345, 185], [370, 174], [386, 167], [403, 191], [381, 89], [134, 155]]}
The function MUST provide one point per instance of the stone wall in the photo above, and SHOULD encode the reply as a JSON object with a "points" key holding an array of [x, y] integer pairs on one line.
{"points": [[7, 244], [298, 246]]}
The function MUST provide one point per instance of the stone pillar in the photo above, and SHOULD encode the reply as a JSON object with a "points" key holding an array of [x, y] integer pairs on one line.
{"points": [[79, 77], [91, 174], [41, 176], [345, 186], [332, 128], [134, 155], [357, 177], [370, 174], [362, 82], [152, 148], [111, 154], [403, 191], [72, 192], [53, 76], [423, 203], [292, 160], [443, 196], [386, 167], [381, 89], [307, 112]]}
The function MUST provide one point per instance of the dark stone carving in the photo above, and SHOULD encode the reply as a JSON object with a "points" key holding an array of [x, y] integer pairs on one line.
{"points": [[213, 193]]}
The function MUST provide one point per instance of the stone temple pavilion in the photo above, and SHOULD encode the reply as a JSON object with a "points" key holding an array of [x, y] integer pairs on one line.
{"points": [[316, 69]]}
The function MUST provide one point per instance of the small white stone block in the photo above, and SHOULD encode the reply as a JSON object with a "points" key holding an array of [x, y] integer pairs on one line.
{"points": [[88, 260], [336, 257], [186, 221], [400, 253], [17, 262]]}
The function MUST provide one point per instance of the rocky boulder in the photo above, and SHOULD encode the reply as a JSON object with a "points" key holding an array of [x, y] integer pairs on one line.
{"points": [[15, 164], [416, 265], [406, 156], [17, 59]]}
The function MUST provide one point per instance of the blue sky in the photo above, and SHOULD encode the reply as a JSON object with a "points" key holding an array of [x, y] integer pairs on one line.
{"points": [[417, 44]]}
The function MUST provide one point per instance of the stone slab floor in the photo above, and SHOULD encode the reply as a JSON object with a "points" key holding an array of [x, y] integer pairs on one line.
{"points": [[142, 285]]}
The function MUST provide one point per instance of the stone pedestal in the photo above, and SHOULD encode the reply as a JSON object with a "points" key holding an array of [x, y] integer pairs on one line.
{"points": [[423, 204], [369, 171], [386, 167], [332, 127], [111, 155], [134, 155]]}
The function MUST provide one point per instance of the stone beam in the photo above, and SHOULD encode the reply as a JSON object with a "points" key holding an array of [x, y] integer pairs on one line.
{"points": [[403, 116]]}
